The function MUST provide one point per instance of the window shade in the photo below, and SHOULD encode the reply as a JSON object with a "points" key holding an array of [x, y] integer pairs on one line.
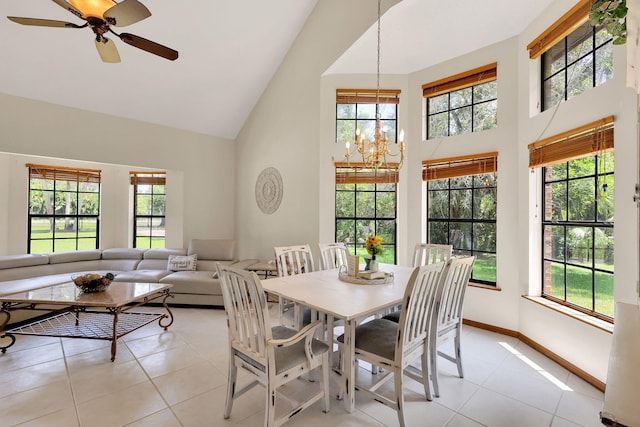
{"points": [[148, 178], [358, 173], [469, 78], [367, 96], [583, 141], [453, 167], [61, 173], [568, 22]]}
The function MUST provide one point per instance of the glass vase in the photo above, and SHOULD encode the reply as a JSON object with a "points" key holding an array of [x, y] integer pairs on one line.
{"points": [[371, 264]]}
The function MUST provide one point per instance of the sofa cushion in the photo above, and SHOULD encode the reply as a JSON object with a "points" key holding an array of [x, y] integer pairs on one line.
{"points": [[123, 253], [163, 253], [194, 282], [152, 264], [71, 256], [210, 266], [182, 263], [26, 260], [212, 249], [141, 276]]}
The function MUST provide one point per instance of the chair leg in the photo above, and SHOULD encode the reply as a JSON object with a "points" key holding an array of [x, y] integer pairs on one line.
{"points": [[434, 367], [458, 351], [270, 405], [399, 395], [426, 373], [231, 386]]}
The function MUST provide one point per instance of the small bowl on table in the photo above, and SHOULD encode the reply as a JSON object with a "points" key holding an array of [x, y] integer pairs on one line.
{"points": [[89, 283]]}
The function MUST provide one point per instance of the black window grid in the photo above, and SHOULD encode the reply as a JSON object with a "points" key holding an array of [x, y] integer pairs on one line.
{"points": [[138, 238], [566, 224], [375, 189], [567, 66], [393, 134], [473, 104], [54, 217], [472, 221]]}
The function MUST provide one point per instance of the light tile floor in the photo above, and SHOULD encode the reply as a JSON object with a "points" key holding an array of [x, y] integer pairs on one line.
{"points": [[178, 378]]}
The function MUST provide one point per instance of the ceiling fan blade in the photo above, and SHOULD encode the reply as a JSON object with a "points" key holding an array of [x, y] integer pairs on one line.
{"points": [[149, 46], [44, 22], [107, 50], [126, 13], [66, 5]]}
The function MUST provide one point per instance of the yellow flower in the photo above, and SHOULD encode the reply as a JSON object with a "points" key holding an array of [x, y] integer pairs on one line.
{"points": [[373, 245]]}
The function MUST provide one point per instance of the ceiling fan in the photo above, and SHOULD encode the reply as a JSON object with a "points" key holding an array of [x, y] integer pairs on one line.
{"points": [[100, 15]]}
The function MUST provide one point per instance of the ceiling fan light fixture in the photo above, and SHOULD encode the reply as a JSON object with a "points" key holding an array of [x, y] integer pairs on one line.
{"points": [[95, 8]]}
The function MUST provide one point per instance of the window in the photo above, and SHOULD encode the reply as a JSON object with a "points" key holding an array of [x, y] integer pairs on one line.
{"points": [[461, 208], [149, 209], [584, 59], [64, 209], [357, 109], [578, 217], [366, 204], [464, 103], [575, 56]]}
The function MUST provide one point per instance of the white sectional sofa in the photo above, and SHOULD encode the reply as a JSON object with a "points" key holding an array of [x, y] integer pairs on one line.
{"points": [[200, 287]]}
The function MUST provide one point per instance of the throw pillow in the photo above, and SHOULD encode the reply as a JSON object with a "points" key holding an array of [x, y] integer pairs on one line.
{"points": [[182, 263]]}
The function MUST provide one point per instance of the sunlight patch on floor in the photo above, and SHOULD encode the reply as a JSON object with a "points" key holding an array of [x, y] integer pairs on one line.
{"points": [[536, 367]]}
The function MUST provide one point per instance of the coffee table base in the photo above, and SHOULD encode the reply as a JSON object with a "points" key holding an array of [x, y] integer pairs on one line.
{"points": [[80, 322], [89, 325]]}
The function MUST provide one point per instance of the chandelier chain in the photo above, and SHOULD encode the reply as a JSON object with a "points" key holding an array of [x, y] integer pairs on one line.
{"points": [[375, 151], [378, 65]]}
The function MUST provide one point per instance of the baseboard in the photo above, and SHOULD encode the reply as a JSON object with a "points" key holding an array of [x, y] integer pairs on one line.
{"points": [[541, 349]]}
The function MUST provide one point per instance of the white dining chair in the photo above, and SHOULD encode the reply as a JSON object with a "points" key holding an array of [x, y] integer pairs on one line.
{"points": [[397, 346], [424, 254], [292, 260], [275, 356], [448, 324], [333, 255], [429, 253]]}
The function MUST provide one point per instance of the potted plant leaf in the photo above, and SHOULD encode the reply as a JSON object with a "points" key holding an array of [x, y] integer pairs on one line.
{"points": [[611, 14]]}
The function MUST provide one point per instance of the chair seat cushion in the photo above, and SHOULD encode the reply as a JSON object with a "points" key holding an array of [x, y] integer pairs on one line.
{"points": [[394, 317], [306, 315], [378, 337], [288, 357]]}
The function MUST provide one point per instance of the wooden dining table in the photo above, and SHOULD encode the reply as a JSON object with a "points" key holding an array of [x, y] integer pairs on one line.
{"points": [[324, 292]]}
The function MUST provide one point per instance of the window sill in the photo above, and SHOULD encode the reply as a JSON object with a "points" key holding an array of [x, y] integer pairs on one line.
{"points": [[487, 287], [567, 311]]}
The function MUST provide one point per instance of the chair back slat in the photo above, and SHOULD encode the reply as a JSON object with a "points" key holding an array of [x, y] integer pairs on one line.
{"points": [[453, 290], [428, 253], [418, 306], [245, 303], [292, 260], [333, 255]]}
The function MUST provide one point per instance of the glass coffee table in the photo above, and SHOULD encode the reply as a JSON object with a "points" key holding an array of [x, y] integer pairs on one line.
{"points": [[104, 315]]}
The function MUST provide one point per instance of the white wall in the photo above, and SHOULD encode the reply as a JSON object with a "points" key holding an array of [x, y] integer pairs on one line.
{"points": [[518, 226], [331, 152], [502, 139], [585, 346], [284, 132], [201, 169], [4, 202]]}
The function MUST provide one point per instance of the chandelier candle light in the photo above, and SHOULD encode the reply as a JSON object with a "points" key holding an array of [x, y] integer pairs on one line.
{"points": [[374, 152]]}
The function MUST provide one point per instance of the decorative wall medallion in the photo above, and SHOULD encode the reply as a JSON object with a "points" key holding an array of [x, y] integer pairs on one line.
{"points": [[269, 190]]}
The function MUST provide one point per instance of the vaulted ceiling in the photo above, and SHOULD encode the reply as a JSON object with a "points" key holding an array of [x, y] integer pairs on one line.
{"points": [[229, 51]]}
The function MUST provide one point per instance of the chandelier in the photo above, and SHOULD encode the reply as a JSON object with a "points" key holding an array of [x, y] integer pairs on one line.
{"points": [[375, 151]]}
